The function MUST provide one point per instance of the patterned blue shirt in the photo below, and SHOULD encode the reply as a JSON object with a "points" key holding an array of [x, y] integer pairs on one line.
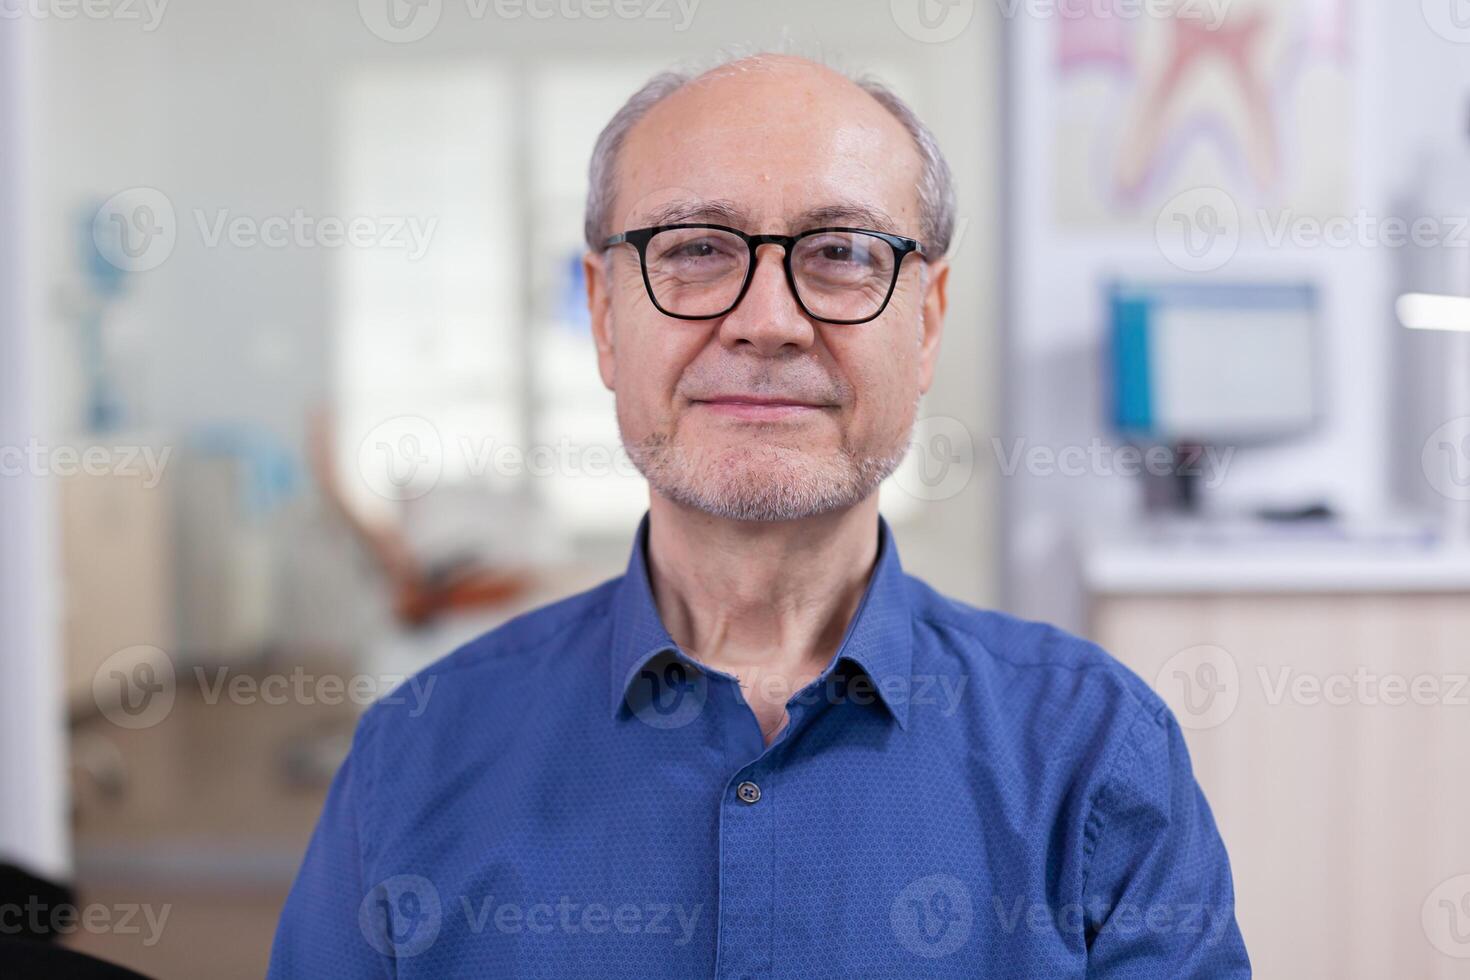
{"points": [[959, 794]]}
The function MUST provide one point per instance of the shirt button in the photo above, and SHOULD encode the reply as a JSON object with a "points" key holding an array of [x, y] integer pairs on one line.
{"points": [[748, 792]]}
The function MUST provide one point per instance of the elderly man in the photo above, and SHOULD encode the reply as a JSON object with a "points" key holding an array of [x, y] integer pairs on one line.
{"points": [[764, 750]]}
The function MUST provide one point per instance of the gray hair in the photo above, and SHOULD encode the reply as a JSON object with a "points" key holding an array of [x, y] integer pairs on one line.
{"points": [[935, 187]]}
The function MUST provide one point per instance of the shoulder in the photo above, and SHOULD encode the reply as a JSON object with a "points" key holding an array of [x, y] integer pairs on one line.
{"points": [[1002, 644], [1045, 679]]}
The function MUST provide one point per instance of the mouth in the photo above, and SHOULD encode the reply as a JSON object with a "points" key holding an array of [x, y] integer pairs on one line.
{"points": [[754, 408]]}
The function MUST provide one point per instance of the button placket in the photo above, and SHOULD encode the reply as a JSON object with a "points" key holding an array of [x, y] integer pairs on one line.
{"points": [[747, 876]]}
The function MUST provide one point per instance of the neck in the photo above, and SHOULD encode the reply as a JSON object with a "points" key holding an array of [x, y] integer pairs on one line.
{"points": [[767, 602]]}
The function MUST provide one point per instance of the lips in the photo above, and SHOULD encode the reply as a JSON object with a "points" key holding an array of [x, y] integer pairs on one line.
{"points": [[757, 407], [756, 400]]}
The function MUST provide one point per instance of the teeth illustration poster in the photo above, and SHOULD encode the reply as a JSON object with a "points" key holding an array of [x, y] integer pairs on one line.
{"points": [[1253, 97]]}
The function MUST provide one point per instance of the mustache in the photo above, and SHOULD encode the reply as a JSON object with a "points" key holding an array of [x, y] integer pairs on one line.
{"points": [[814, 387]]}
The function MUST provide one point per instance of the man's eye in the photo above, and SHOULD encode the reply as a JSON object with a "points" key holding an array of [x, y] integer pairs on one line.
{"points": [[694, 250], [838, 253]]}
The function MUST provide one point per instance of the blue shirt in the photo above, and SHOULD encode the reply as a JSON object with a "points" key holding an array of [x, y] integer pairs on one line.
{"points": [[960, 794]]}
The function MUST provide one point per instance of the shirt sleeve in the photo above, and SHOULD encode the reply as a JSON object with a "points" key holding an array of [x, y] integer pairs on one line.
{"points": [[1158, 899], [319, 934]]}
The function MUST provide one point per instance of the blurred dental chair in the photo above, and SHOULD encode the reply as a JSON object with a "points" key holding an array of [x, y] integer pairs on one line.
{"points": [[421, 592]]}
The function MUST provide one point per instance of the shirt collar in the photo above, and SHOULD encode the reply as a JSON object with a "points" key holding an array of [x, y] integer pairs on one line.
{"points": [[879, 639]]}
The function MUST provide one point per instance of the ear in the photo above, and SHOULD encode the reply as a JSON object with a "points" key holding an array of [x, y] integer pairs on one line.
{"points": [[936, 302], [599, 305]]}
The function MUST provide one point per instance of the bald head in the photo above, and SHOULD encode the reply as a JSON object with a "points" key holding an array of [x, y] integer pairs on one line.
{"points": [[766, 115], [771, 94]]}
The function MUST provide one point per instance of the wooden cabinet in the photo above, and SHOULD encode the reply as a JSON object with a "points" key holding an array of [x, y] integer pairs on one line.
{"points": [[117, 578], [1330, 730]]}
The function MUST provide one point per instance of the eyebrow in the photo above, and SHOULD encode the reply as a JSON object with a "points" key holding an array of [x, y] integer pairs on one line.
{"points": [[714, 212], [724, 212], [846, 214]]}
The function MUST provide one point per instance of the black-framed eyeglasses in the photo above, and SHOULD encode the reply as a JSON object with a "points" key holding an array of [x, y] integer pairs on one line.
{"points": [[700, 271]]}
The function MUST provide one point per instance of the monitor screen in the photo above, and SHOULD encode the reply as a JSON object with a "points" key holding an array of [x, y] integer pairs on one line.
{"points": [[1220, 363]]}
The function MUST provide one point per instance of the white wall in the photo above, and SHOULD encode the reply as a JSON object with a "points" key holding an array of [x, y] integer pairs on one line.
{"points": [[32, 751], [1421, 95]]}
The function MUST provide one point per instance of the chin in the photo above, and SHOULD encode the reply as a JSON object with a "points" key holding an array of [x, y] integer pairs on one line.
{"points": [[763, 482]]}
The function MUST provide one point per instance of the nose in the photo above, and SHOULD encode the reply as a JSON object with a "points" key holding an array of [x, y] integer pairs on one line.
{"points": [[768, 317]]}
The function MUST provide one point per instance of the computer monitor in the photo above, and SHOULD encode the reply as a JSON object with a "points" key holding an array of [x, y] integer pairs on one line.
{"points": [[1219, 364]]}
